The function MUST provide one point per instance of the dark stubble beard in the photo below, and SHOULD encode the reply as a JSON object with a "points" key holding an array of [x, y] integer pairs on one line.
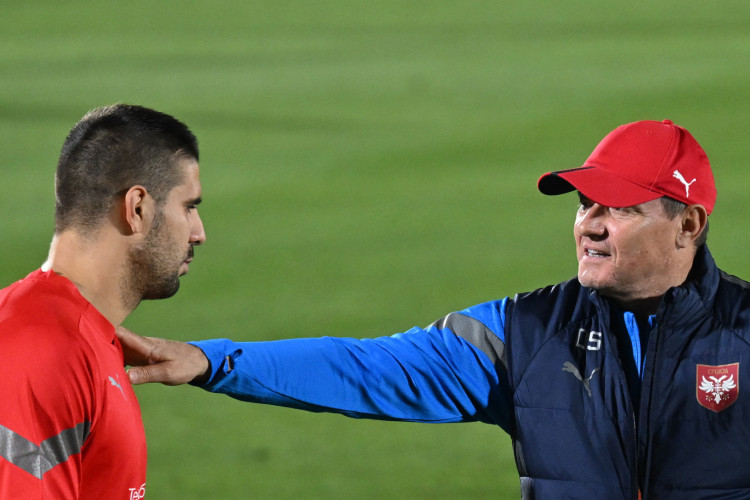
{"points": [[152, 268]]}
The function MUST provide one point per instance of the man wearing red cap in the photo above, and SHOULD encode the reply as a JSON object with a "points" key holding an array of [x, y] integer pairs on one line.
{"points": [[642, 175], [622, 383]]}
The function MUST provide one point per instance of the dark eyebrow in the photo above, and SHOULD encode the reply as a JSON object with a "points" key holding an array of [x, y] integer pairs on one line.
{"points": [[195, 201]]}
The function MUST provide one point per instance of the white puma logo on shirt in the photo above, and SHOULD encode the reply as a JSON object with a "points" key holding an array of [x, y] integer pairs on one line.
{"points": [[116, 383]]}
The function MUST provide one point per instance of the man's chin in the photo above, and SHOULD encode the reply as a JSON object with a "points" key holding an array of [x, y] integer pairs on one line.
{"points": [[598, 285], [164, 292]]}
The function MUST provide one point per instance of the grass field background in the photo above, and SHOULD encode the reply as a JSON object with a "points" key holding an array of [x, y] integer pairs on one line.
{"points": [[367, 167]]}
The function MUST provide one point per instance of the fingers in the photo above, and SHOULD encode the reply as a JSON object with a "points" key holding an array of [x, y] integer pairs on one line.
{"points": [[163, 361], [170, 363], [158, 373], [136, 349], [140, 374]]}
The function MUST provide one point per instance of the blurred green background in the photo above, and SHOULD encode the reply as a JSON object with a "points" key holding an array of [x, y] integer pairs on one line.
{"points": [[367, 167]]}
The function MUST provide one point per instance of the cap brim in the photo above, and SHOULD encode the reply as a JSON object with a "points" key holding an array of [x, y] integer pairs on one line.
{"points": [[597, 185], [552, 183]]}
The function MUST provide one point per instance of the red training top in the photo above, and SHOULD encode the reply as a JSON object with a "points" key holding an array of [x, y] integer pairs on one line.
{"points": [[70, 424]]}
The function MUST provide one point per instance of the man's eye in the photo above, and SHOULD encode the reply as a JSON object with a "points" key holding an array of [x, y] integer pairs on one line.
{"points": [[621, 210]]}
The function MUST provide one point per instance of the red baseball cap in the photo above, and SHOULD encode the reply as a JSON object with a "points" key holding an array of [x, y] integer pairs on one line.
{"points": [[639, 162]]}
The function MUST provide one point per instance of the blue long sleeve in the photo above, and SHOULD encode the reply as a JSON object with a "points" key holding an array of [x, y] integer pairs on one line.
{"points": [[434, 374]]}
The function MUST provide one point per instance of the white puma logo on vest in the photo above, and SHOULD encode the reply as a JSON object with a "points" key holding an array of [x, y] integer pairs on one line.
{"points": [[571, 368], [677, 175]]}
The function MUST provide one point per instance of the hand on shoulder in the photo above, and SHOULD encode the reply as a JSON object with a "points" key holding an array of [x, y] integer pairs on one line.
{"points": [[160, 360]]}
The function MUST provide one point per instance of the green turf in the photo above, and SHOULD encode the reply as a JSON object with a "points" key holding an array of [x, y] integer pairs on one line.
{"points": [[367, 167]]}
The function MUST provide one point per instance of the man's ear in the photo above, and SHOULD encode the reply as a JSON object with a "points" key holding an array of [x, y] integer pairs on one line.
{"points": [[138, 208], [694, 219]]}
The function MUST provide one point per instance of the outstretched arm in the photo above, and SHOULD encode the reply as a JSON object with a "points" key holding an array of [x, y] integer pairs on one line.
{"points": [[160, 360], [452, 371]]}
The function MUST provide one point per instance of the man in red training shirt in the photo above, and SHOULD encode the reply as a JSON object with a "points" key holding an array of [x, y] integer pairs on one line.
{"points": [[127, 186]]}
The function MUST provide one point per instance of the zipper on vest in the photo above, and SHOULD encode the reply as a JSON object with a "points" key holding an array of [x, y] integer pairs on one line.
{"points": [[636, 351], [651, 361], [635, 449]]}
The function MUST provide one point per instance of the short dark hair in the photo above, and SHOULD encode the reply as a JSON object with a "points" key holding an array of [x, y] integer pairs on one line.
{"points": [[112, 149], [672, 208]]}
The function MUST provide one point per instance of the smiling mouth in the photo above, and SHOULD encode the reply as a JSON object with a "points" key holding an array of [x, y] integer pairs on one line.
{"points": [[588, 252]]}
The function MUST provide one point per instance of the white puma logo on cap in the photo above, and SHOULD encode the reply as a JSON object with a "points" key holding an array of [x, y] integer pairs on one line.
{"points": [[677, 175]]}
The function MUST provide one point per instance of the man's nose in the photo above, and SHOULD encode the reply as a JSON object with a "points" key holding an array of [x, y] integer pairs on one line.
{"points": [[592, 222], [198, 233]]}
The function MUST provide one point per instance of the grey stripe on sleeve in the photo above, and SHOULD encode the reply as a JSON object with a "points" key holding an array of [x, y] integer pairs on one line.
{"points": [[476, 333], [37, 460]]}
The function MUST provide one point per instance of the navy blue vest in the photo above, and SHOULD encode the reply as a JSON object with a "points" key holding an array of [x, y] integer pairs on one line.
{"points": [[575, 434]]}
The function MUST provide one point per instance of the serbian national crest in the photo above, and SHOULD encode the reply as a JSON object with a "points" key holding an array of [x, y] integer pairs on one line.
{"points": [[717, 387]]}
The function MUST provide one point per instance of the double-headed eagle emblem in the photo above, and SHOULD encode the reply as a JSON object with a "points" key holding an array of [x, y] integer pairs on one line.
{"points": [[717, 387]]}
